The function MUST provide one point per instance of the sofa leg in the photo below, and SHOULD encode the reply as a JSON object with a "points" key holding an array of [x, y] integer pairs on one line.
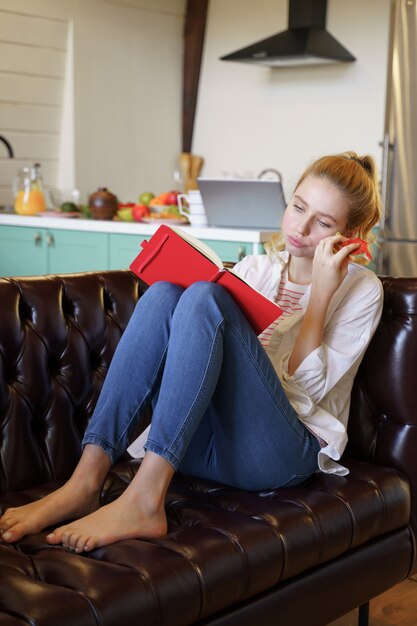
{"points": [[363, 615]]}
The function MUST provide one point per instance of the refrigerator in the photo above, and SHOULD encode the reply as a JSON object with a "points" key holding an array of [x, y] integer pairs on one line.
{"points": [[398, 235]]}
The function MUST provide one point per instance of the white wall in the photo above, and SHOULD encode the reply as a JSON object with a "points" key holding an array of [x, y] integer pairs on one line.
{"points": [[111, 115], [129, 80], [32, 77], [122, 125], [252, 117]]}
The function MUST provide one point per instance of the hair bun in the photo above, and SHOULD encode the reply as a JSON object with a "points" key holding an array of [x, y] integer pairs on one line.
{"points": [[364, 162]]}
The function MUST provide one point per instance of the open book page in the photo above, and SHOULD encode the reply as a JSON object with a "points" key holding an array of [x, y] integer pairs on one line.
{"points": [[211, 254], [200, 246], [232, 271], [259, 310], [208, 252]]}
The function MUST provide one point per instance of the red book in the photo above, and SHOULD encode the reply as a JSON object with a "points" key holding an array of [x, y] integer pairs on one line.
{"points": [[177, 257]]}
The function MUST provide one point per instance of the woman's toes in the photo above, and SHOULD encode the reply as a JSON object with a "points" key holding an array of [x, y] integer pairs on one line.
{"points": [[6, 523], [12, 532], [6, 536], [53, 538], [82, 545], [76, 542], [66, 539]]}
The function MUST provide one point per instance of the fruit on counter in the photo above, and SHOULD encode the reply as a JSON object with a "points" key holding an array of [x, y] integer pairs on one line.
{"points": [[162, 206], [139, 211], [85, 210], [132, 212], [146, 197], [168, 212], [167, 215], [172, 197], [69, 207], [125, 214], [172, 208], [158, 201], [166, 198]]}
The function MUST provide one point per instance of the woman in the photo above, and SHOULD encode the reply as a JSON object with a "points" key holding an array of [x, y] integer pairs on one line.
{"points": [[252, 412]]}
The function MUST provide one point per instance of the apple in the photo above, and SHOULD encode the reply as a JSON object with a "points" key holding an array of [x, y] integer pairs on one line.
{"points": [[139, 211], [172, 197], [172, 208], [163, 197], [146, 197], [125, 214]]}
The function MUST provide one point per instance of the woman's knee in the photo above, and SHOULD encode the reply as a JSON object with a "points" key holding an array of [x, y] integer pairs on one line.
{"points": [[161, 297], [202, 291], [204, 298], [164, 290]]}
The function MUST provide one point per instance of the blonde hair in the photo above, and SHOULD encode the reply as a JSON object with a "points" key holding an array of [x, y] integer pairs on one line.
{"points": [[356, 179]]}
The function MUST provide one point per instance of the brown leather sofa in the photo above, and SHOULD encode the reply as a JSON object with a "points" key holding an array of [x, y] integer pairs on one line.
{"points": [[294, 557]]}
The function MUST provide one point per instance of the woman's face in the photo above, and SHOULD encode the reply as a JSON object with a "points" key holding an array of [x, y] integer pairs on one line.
{"points": [[316, 210]]}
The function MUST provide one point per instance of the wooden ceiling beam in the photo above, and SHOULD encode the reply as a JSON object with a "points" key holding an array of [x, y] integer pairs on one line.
{"points": [[194, 31]]}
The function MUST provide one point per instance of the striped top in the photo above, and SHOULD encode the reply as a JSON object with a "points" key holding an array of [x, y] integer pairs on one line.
{"points": [[288, 298]]}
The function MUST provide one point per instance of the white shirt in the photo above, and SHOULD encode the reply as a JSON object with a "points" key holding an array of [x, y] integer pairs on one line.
{"points": [[320, 388]]}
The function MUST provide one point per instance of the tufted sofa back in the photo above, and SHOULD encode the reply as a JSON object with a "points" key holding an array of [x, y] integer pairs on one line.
{"points": [[383, 415], [58, 335]]}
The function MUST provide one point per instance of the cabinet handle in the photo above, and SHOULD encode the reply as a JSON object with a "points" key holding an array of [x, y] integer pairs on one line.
{"points": [[50, 241], [241, 252], [37, 238]]}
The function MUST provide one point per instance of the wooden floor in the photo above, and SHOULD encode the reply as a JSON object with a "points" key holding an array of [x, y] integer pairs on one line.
{"points": [[396, 607]]}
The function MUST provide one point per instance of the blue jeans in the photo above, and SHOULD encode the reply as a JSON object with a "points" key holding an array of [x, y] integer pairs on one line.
{"points": [[219, 408]]}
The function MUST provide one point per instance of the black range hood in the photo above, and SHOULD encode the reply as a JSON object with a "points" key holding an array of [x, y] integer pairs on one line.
{"points": [[306, 42]]}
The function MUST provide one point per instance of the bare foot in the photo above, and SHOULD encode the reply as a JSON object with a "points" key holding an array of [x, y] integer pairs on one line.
{"points": [[125, 518], [68, 501], [79, 496]]}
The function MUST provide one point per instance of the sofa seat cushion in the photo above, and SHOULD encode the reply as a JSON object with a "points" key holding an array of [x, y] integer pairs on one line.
{"points": [[223, 547]]}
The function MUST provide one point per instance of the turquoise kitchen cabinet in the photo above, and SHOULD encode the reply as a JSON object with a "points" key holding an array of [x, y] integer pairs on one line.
{"points": [[27, 251], [47, 245], [75, 251], [123, 249], [22, 251], [232, 251]]}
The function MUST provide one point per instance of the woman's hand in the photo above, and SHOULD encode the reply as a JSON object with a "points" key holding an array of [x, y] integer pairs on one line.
{"points": [[329, 270], [329, 267]]}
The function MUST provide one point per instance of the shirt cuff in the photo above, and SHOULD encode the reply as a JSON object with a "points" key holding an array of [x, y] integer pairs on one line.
{"points": [[137, 447]]}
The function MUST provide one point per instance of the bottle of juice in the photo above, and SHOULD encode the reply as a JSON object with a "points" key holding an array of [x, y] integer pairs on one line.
{"points": [[29, 192]]}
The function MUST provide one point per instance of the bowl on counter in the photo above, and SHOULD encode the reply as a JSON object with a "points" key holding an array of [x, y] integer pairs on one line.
{"points": [[60, 196]]}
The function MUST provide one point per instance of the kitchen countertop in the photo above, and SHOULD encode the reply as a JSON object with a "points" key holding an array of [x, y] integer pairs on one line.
{"points": [[133, 228]]}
